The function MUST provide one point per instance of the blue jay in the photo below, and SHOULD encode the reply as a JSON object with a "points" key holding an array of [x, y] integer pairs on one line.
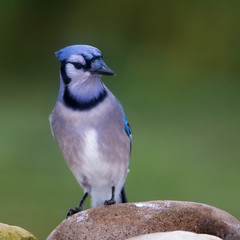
{"points": [[90, 127]]}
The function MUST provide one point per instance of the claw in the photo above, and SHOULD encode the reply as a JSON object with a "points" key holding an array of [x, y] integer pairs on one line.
{"points": [[109, 202], [78, 208], [112, 200], [71, 212]]}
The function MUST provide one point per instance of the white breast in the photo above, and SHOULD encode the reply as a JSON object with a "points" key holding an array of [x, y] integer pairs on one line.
{"points": [[94, 168], [91, 152]]}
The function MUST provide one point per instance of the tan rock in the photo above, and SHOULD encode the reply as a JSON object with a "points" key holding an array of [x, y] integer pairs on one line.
{"points": [[8, 232], [175, 235], [122, 221]]}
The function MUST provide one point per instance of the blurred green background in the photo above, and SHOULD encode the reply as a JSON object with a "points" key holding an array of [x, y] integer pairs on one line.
{"points": [[177, 65]]}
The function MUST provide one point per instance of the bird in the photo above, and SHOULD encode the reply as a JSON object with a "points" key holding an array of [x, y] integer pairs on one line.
{"points": [[90, 127]]}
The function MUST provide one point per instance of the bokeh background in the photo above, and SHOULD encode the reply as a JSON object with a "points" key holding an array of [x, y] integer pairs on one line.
{"points": [[177, 65]]}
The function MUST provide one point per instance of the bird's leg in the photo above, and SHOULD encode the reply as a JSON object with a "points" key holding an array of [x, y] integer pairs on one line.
{"points": [[79, 207], [112, 200], [123, 195]]}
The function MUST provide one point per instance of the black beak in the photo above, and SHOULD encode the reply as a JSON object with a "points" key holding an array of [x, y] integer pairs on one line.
{"points": [[98, 66]]}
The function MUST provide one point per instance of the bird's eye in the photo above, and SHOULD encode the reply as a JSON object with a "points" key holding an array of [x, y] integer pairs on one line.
{"points": [[77, 65]]}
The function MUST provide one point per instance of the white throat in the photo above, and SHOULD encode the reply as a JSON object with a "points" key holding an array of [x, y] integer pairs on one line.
{"points": [[83, 89]]}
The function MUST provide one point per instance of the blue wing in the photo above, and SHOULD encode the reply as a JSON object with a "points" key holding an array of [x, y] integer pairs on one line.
{"points": [[128, 131], [127, 126]]}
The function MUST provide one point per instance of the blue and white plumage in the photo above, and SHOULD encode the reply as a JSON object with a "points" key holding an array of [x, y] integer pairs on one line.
{"points": [[90, 126]]}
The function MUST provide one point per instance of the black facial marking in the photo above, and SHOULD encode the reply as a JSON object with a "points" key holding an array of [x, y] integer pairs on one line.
{"points": [[77, 65], [75, 104], [65, 77], [84, 67], [89, 61]]}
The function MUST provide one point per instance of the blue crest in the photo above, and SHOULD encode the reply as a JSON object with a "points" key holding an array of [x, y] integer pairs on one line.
{"points": [[86, 50]]}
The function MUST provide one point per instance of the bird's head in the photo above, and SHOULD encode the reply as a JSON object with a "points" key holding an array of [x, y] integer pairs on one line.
{"points": [[79, 62]]}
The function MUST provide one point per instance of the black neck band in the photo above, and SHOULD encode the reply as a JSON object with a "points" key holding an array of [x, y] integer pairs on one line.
{"points": [[75, 104]]}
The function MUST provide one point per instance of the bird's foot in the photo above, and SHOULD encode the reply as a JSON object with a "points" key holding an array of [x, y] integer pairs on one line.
{"points": [[73, 211], [112, 199], [109, 202]]}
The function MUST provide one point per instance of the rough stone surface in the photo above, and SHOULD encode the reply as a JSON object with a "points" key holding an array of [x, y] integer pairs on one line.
{"points": [[176, 235], [122, 221], [8, 232]]}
